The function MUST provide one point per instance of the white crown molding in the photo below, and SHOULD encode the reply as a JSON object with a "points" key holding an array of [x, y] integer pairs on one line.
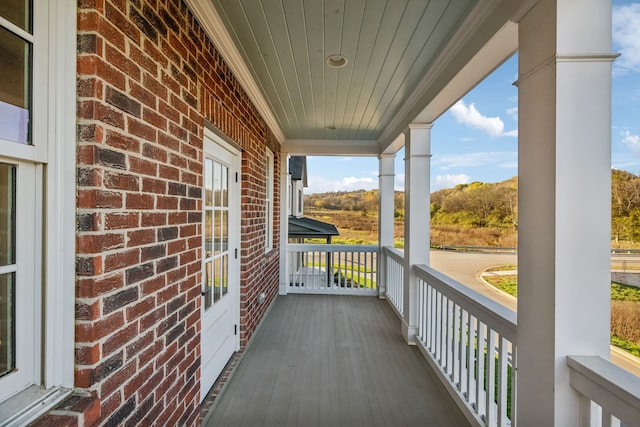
{"points": [[210, 21], [330, 147], [415, 104]]}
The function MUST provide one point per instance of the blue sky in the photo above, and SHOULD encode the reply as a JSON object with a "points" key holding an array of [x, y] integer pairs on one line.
{"points": [[476, 140]]}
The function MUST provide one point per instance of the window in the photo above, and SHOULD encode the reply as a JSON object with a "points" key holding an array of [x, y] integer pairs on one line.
{"points": [[268, 229], [16, 49], [37, 130]]}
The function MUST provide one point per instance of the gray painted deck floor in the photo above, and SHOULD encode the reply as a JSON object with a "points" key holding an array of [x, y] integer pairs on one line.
{"points": [[333, 361]]}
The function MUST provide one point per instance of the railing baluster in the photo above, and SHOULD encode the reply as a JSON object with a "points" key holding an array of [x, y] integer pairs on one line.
{"points": [[490, 381], [464, 332], [503, 376], [480, 376], [457, 334]]}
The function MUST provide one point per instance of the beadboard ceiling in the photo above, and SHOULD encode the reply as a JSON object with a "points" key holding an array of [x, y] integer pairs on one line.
{"points": [[391, 46]]}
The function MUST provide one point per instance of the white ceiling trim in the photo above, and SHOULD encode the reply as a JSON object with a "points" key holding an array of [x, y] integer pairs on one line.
{"points": [[491, 56], [330, 147], [416, 102], [210, 21]]}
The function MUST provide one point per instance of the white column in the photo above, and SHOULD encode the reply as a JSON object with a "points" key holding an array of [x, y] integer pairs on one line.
{"points": [[385, 215], [416, 219], [285, 202], [564, 202]]}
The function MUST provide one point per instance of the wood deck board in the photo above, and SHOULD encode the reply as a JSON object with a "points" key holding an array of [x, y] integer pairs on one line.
{"points": [[333, 361]]}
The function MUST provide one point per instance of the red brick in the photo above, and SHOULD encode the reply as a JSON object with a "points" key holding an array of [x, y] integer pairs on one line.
{"points": [[119, 220], [98, 243], [119, 339], [140, 237], [119, 260]]}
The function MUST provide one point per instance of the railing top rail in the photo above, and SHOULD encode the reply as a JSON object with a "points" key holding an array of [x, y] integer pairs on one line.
{"points": [[591, 374], [331, 247], [498, 316], [394, 253]]}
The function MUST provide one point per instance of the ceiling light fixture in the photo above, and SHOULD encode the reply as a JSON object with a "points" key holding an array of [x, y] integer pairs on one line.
{"points": [[336, 61]]}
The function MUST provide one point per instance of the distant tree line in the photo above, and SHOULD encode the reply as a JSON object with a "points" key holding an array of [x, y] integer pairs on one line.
{"points": [[625, 206], [490, 205], [359, 201], [477, 205]]}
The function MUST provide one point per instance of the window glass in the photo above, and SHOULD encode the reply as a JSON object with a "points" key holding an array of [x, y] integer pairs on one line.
{"points": [[7, 264], [18, 12], [15, 88]]}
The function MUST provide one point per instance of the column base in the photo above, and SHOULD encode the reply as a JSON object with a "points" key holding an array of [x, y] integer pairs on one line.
{"points": [[409, 333]]}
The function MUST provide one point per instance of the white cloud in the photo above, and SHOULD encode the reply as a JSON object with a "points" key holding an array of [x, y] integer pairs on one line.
{"points": [[449, 181], [632, 141], [471, 117], [513, 113], [626, 38], [398, 183], [321, 184]]}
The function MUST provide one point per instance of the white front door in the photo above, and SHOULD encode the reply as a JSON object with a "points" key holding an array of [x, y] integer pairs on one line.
{"points": [[220, 308]]}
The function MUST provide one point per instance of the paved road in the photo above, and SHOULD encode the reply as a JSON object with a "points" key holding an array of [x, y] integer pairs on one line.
{"points": [[466, 268]]}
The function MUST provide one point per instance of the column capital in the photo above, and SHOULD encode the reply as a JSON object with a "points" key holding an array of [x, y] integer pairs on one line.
{"points": [[420, 125]]}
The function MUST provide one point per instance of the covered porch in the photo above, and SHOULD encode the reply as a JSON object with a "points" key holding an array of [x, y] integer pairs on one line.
{"points": [[320, 360], [550, 365], [332, 355]]}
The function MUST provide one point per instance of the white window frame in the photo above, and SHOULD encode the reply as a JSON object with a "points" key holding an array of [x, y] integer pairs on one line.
{"points": [[269, 196], [47, 164]]}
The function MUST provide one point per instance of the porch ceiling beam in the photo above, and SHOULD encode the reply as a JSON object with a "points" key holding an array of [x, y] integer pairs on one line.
{"points": [[331, 147], [438, 91]]}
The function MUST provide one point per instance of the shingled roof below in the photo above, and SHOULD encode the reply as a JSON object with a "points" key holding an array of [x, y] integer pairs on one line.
{"points": [[310, 228]]}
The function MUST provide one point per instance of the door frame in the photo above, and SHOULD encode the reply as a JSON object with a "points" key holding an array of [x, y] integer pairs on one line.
{"points": [[211, 143]]}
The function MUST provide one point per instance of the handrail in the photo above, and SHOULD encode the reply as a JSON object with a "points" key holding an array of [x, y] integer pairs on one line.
{"points": [[318, 268], [608, 386], [394, 254], [488, 311], [330, 247], [470, 341]]}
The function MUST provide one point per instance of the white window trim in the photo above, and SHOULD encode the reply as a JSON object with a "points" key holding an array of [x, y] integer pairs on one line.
{"points": [[54, 115], [269, 202]]}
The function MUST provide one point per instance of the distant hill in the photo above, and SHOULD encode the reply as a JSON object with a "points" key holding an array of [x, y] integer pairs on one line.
{"points": [[493, 205]]}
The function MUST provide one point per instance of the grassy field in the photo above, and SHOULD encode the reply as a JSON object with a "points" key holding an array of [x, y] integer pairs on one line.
{"points": [[358, 227], [625, 310]]}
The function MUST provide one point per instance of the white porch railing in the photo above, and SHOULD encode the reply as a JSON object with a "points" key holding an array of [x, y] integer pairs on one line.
{"points": [[332, 269], [394, 277], [610, 396], [470, 341]]}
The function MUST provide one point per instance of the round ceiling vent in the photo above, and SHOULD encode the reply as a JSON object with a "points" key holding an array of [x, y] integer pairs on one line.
{"points": [[336, 61]]}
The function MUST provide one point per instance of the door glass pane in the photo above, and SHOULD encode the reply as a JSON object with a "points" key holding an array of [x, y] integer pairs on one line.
{"points": [[224, 230], [208, 182], [216, 280], [208, 233], [18, 12], [217, 184], [225, 187], [217, 233], [207, 285], [225, 274], [15, 88], [7, 324], [7, 214]]}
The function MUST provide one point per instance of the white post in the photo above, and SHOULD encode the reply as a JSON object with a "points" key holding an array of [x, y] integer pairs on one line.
{"points": [[386, 211], [285, 202], [416, 219], [564, 202]]}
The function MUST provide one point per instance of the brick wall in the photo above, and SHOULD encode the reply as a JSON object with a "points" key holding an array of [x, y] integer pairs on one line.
{"points": [[147, 79]]}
